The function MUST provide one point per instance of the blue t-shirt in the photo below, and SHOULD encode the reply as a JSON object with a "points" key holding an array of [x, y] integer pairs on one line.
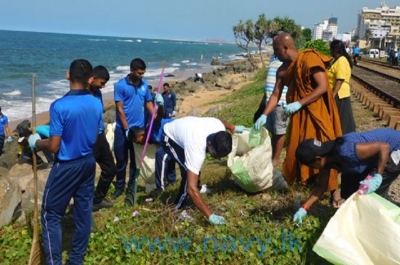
{"points": [[3, 123], [157, 131], [169, 102], [347, 151], [147, 114], [356, 50], [76, 117], [134, 99], [99, 96]]}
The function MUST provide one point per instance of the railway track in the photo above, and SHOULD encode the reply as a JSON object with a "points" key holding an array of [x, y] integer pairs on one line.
{"points": [[378, 88]]}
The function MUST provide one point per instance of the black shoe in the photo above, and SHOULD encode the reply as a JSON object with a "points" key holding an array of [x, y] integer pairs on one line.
{"points": [[103, 204], [117, 193]]}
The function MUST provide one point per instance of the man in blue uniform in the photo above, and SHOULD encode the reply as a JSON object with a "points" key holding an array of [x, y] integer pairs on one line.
{"points": [[131, 95], [101, 150], [4, 131], [169, 101], [74, 125]]}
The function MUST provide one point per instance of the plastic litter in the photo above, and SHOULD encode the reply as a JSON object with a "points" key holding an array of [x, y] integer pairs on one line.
{"points": [[204, 189], [149, 200], [184, 216]]}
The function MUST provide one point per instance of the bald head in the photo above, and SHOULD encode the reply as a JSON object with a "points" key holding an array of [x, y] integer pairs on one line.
{"points": [[284, 47], [285, 39]]}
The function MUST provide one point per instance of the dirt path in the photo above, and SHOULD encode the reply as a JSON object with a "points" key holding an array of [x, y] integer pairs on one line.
{"points": [[198, 103]]}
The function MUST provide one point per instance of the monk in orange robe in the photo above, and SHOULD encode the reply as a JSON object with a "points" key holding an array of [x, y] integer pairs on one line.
{"points": [[311, 103]]}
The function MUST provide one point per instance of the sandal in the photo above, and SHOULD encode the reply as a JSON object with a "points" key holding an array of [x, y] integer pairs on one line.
{"points": [[336, 203]]}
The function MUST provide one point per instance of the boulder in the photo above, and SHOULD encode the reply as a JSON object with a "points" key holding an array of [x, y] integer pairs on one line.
{"points": [[10, 199], [3, 171], [10, 156], [28, 195], [222, 83], [215, 61], [213, 111], [109, 115]]}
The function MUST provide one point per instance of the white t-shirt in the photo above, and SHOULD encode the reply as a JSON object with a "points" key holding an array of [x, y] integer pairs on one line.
{"points": [[191, 134]]}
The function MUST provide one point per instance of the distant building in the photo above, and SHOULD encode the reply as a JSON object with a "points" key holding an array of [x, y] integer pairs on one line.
{"points": [[380, 26], [327, 30], [319, 29]]}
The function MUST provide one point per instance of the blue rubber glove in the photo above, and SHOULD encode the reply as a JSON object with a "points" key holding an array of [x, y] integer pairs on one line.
{"points": [[43, 130], [216, 219], [299, 215], [126, 133], [292, 107], [260, 122], [9, 139], [159, 99], [32, 140], [373, 183], [240, 129]]}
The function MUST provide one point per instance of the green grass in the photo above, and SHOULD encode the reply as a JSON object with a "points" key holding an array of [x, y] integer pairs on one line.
{"points": [[266, 216]]}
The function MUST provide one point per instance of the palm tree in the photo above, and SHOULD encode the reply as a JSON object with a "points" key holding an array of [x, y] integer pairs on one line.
{"points": [[244, 35]]}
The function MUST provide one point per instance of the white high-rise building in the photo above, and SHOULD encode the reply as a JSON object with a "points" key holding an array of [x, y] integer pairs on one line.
{"points": [[319, 29], [327, 30], [382, 24]]}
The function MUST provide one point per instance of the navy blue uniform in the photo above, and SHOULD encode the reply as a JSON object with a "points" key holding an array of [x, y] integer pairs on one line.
{"points": [[3, 123], [165, 164], [134, 99], [76, 118], [169, 103], [105, 159]]}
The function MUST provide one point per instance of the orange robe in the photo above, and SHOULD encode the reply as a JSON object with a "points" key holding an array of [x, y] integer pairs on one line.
{"points": [[319, 120]]}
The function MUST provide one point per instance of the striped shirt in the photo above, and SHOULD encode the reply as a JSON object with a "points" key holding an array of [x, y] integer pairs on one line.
{"points": [[271, 80]]}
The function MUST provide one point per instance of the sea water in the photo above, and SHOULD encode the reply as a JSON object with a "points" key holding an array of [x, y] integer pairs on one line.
{"points": [[48, 56]]}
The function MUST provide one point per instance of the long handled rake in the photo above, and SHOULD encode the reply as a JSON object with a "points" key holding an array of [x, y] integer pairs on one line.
{"points": [[36, 249]]}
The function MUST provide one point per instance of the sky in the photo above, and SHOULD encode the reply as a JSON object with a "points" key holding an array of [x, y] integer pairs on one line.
{"points": [[171, 19]]}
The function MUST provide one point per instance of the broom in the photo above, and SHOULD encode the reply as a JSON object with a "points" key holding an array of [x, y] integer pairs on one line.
{"points": [[131, 195], [36, 249]]}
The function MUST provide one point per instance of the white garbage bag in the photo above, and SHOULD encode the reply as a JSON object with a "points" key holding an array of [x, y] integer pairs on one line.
{"points": [[364, 230], [148, 168], [250, 162]]}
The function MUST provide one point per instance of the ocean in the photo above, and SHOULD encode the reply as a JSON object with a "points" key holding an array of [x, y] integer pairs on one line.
{"points": [[48, 56]]}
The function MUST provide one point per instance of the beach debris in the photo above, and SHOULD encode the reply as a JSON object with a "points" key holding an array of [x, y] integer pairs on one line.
{"points": [[116, 219], [135, 214], [184, 216], [149, 200]]}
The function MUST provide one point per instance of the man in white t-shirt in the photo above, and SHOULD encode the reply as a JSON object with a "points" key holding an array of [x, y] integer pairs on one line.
{"points": [[188, 140]]}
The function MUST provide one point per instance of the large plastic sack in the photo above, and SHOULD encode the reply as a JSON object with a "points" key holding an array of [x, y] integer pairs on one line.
{"points": [[148, 168], [110, 134], [250, 162], [365, 230]]}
